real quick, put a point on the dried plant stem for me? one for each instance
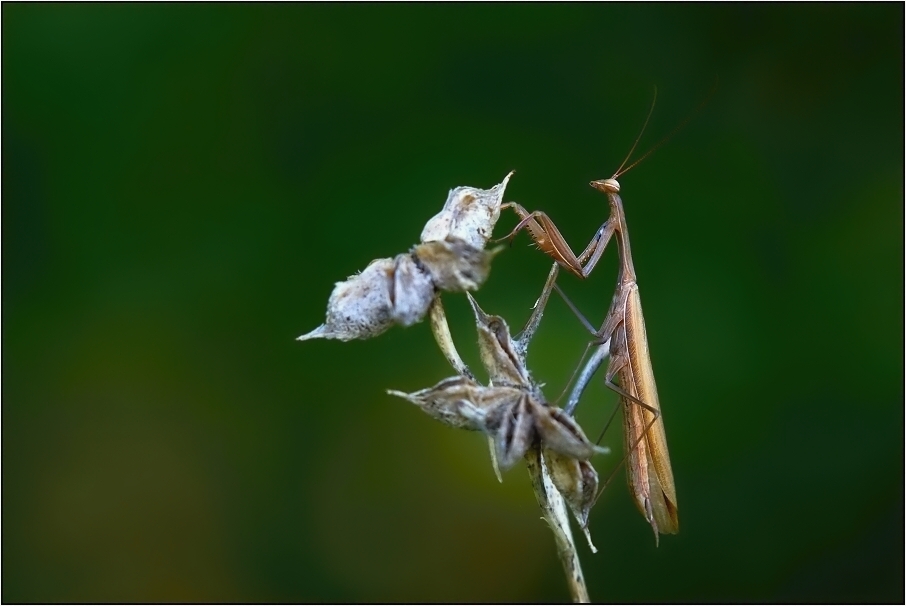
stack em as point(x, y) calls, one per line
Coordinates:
point(554, 510)
point(441, 331)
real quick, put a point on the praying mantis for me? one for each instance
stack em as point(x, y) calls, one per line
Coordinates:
point(622, 336)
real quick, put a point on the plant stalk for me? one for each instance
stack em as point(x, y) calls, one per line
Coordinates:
point(554, 510)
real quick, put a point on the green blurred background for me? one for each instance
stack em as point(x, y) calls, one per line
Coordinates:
point(183, 184)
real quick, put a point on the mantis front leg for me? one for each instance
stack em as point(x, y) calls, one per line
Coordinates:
point(549, 239)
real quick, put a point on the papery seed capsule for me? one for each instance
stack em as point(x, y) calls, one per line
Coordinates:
point(461, 402)
point(469, 214)
point(513, 427)
point(576, 480)
point(359, 307)
point(453, 264)
point(561, 433)
point(498, 353)
point(412, 291)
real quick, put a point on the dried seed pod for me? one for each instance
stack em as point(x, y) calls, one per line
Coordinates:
point(400, 290)
point(506, 366)
point(469, 214)
point(498, 352)
point(512, 424)
point(561, 433)
point(451, 257)
point(360, 307)
point(460, 402)
point(577, 483)
point(515, 422)
point(412, 293)
point(453, 264)
point(576, 480)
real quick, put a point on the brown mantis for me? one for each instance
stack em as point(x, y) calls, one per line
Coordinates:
point(622, 336)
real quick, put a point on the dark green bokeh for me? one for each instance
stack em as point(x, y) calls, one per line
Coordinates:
point(183, 184)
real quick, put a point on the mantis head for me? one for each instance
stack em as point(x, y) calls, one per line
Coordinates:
point(608, 186)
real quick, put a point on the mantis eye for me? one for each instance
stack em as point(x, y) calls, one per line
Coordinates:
point(608, 186)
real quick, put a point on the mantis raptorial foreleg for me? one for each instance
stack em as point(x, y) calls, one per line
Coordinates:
point(549, 239)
